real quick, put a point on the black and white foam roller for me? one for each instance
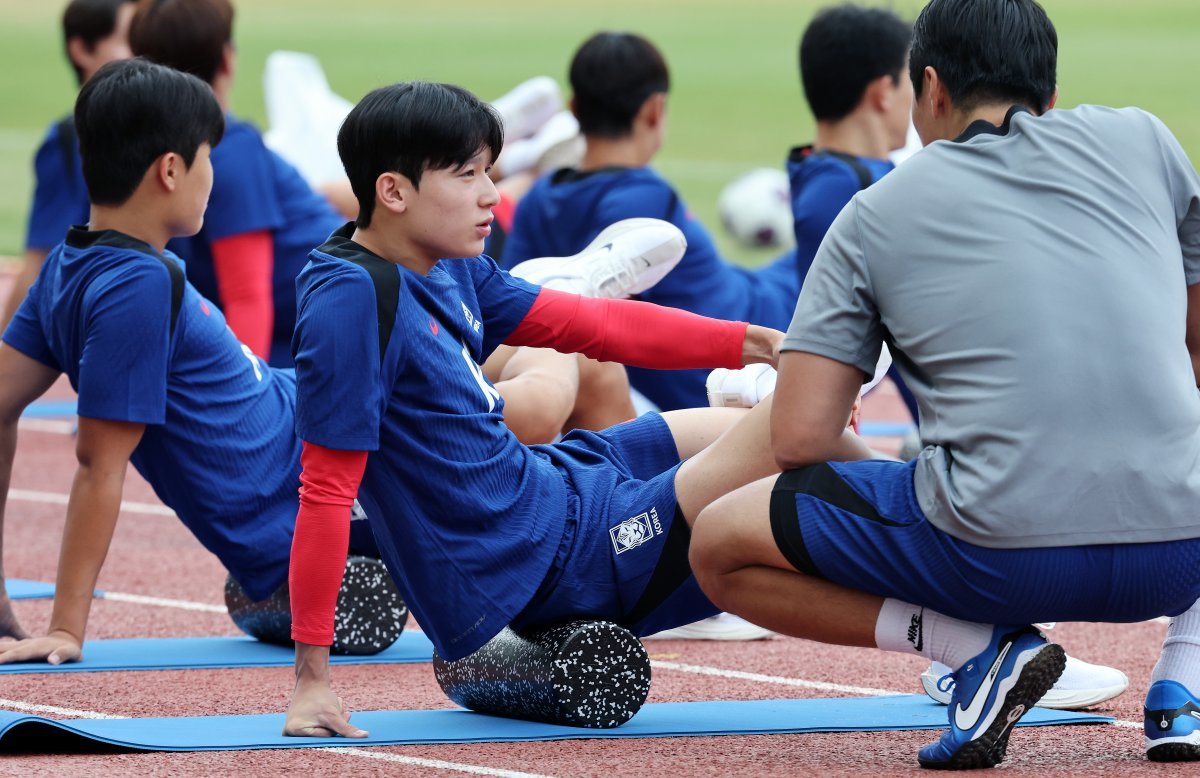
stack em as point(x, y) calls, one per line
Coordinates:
point(370, 614)
point(581, 673)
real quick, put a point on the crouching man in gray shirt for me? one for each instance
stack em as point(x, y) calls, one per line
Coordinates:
point(1037, 276)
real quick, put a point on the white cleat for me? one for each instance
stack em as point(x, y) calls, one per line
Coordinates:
point(528, 106)
point(723, 626)
point(1081, 685)
point(557, 144)
point(742, 388)
point(627, 258)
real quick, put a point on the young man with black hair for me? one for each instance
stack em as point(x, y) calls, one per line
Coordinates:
point(479, 531)
point(95, 32)
point(853, 66)
point(620, 83)
point(204, 420)
point(1021, 509)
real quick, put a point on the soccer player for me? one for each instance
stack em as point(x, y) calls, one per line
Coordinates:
point(95, 32)
point(205, 421)
point(620, 83)
point(262, 218)
point(852, 65)
point(479, 531)
point(1059, 483)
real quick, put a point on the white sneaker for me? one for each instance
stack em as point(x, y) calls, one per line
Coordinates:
point(723, 626)
point(1081, 685)
point(556, 144)
point(626, 258)
point(528, 106)
point(742, 388)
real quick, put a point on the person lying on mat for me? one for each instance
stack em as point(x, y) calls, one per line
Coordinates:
point(1057, 482)
point(163, 382)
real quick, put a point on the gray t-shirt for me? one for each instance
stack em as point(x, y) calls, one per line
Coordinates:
point(1033, 284)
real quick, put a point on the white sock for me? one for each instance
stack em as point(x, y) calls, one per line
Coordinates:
point(1180, 657)
point(911, 629)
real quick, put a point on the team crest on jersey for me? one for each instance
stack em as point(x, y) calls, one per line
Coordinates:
point(472, 322)
point(632, 533)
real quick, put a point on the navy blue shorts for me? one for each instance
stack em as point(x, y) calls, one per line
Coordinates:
point(858, 524)
point(624, 553)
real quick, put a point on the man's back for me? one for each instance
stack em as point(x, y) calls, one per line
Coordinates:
point(1035, 282)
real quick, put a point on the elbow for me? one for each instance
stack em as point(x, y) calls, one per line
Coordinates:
point(798, 448)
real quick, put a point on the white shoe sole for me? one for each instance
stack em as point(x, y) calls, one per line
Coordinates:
point(723, 626)
point(1081, 694)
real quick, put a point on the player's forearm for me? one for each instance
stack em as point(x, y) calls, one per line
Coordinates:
point(92, 511)
point(244, 266)
point(312, 663)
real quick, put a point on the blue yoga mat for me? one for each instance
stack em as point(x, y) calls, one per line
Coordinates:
point(668, 719)
point(50, 409)
point(21, 589)
point(206, 653)
point(884, 429)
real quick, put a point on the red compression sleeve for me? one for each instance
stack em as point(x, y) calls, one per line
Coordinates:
point(504, 211)
point(632, 333)
point(329, 482)
point(244, 266)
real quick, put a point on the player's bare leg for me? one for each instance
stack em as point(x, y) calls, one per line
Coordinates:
point(539, 387)
point(603, 398)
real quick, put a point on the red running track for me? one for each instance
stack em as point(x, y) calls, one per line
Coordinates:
point(154, 555)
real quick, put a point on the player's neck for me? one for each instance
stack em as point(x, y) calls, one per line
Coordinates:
point(628, 151)
point(134, 219)
point(394, 246)
point(855, 136)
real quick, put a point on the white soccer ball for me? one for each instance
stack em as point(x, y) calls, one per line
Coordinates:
point(756, 209)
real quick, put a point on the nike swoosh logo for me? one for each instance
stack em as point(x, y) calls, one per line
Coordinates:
point(966, 718)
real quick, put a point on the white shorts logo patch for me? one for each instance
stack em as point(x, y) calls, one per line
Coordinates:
point(632, 533)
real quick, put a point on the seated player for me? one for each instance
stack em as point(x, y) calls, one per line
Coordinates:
point(852, 65)
point(1022, 508)
point(201, 418)
point(620, 83)
point(479, 531)
point(95, 32)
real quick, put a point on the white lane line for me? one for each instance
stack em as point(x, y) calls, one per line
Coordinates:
point(436, 764)
point(46, 425)
point(759, 678)
point(54, 498)
point(163, 602)
point(35, 708)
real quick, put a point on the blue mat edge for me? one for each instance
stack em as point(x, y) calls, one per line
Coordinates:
point(1040, 717)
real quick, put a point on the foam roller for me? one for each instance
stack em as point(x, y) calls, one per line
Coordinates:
point(581, 673)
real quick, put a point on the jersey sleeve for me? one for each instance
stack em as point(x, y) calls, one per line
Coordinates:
point(836, 316)
point(814, 207)
point(243, 196)
point(504, 301)
point(339, 396)
point(1185, 196)
point(125, 357)
point(59, 197)
point(25, 333)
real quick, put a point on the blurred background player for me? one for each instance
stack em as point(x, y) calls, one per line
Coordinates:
point(620, 83)
point(95, 32)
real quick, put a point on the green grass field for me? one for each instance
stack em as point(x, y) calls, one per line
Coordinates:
point(735, 101)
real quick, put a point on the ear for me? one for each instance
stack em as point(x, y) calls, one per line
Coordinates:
point(1053, 99)
point(79, 52)
point(654, 110)
point(934, 90)
point(393, 192)
point(168, 170)
point(571, 107)
point(228, 60)
point(879, 94)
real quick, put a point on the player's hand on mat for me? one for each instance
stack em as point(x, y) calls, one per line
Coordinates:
point(316, 711)
point(761, 345)
point(10, 627)
point(55, 648)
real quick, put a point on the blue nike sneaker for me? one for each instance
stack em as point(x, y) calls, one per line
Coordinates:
point(1172, 723)
point(991, 693)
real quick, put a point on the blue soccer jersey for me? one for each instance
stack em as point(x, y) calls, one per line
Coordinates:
point(254, 189)
point(60, 196)
point(219, 446)
point(822, 182)
point(564, 211)
point(467, 519)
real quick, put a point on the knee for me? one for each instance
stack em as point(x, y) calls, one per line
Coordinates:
point(710, 553)
point(603, 381)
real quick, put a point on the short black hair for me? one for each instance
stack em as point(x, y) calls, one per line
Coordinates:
point(844, 49)
point(188, 35)
point(91, 21)
point(409, 128)
point(612, 75)
point(131, 113)
point(987, 51)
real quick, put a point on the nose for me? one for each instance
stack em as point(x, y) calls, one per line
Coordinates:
point(490, 195)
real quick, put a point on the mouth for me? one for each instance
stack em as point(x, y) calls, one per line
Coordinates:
point(484, 228)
